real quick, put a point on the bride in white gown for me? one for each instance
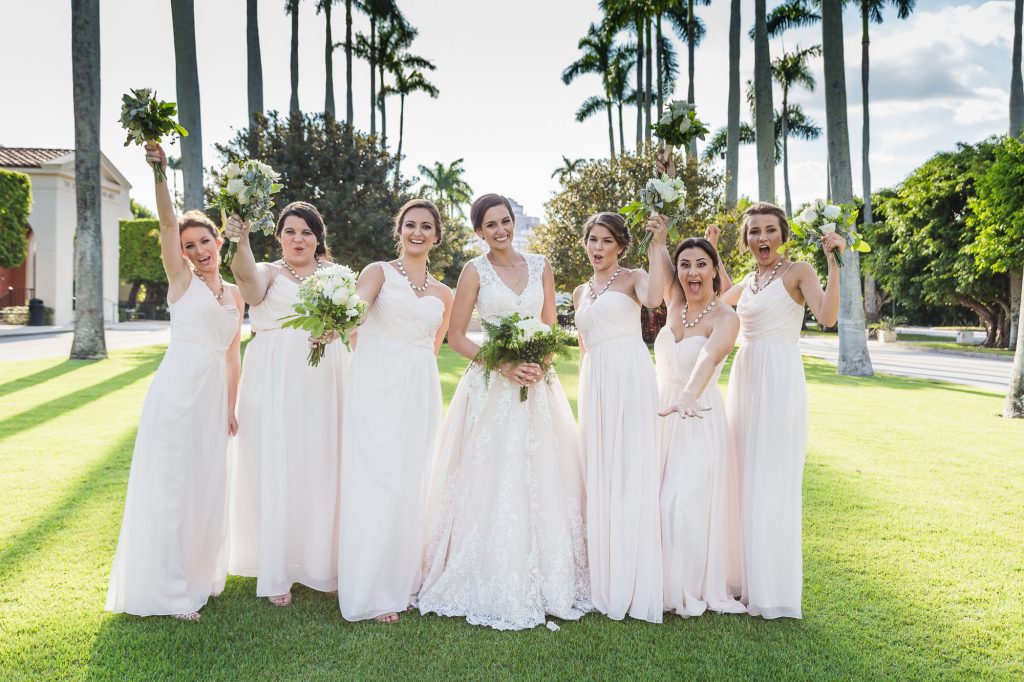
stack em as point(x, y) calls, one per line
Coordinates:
point(506, 543)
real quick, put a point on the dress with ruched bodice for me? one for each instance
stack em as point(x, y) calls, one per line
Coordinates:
point(392, 411)
point(618, 439)
point(506, 544)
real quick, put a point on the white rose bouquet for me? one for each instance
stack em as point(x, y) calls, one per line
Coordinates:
point(678, 126)
point(820, 218)
point(147, 119)
point(247, 189)
point(662, 195)
point(517, 339)
point(327, 302)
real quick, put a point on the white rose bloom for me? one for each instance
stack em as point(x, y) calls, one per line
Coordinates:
point(807, 216)
point(339, 298)
point(818, 204)
point(831, 212)
point(828, 228)
point(232, 170)
point(666, 118)
point(235, 186)
point(668, 192)
point(684, 125)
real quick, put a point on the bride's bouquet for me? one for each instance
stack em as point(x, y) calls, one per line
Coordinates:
point(327, 302)
point(821, 218)
point(662, 195)
point(517, 339)
point(679, 126)
point(248, 189)
point(147, 119)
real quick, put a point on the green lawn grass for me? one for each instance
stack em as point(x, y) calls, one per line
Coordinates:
point(914, 568)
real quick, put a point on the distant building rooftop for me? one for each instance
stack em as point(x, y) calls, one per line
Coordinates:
point(29, 157)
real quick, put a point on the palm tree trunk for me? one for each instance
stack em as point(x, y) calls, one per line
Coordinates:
point(639, 82)
point(611, 126)
point(647, 86)
point(691, 149)
point(622, 137)
point(89, 342)
point(383, 110)
point(349, 112)
point(401, 133)
point(785, 150)
point(853, 351)
point(329, 62)
point(1015, 391)
point(187, 85)
point(764, 123)
point(253, 59)
point(293, 104)
point(870, 300)
point(660, 56)
point(732, 145)
point(373, 75)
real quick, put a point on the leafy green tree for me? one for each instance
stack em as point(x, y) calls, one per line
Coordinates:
point(140, 211)
point(139, 262)
point(922, 240)
point(606, 185)
point(15, 205)
point(445, 186)
point(338, 170)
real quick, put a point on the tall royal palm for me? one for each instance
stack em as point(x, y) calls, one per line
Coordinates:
point(690, 30)
point(597, 47)
point(871, 11)
point(853, 352)
point(187, 85)
point(394, 36)
point(254, 62)
point(790, 70)
point(631, 15)
point(445, 186)
point(1015, 391)
point(366, 46)
point(621, 63)
point(291, 7)
point(89, 342)
point(764, 122)
point(325, 7)
point(349, 111)
point(732, 149)
point(407, 71)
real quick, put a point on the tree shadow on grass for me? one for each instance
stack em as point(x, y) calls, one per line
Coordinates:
point(25, 544)
point(40, 414)
point(43, 376)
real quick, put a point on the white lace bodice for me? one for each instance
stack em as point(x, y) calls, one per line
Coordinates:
point(496, 300)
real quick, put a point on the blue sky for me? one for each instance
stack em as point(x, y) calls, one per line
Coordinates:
point(940, 77)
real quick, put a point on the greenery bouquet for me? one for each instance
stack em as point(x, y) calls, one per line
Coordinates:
point(517, 339)
point(679, 126)
point(662, 195)
point(248, 189)
point(147, 119)
point(327, 302)
point(821, 218)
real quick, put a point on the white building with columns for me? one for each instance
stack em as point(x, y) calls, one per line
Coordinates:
point(49, 269)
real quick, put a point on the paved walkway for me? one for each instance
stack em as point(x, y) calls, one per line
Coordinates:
point(982, 371)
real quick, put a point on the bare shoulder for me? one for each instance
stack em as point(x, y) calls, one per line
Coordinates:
point(801, 269)
point(577, 295)
point(235, 293)
point(727, 313)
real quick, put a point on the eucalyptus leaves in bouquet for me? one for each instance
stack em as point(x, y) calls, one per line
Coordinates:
point(820, 218)
point(679, 126)
point(147, 119)
point(516, 339)
point(662, 195)
point(248, 189)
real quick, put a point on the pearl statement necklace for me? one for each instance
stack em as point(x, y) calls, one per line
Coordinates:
point(220, 296)
point(426, 278)
point(590, 284)
point(704, 312)
point(301, 278)
point(754, 288)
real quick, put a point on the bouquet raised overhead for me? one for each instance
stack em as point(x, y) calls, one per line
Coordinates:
point(516, 339)
point(678, 126)
point(662, 195)
point(147, 119)
point(820, 218)
point(327, 302)
point(248, 189)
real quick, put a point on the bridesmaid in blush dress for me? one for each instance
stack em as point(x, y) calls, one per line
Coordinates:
point(171, 552)
point(392, 411)
point(284, 474)
point(768, 406)
point(698, 494)
point(618, 407)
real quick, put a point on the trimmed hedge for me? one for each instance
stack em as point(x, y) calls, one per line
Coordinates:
point(140, 251)
point(15, 205)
